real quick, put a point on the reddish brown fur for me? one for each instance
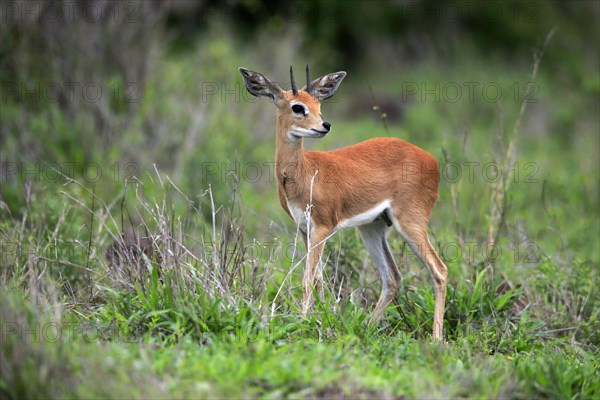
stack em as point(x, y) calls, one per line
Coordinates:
point(353, 179)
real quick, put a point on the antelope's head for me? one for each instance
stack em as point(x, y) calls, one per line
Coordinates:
point(299, 111)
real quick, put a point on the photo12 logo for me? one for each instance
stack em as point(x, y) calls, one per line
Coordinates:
point(69, 11)
point(68, 92)
point(54, 172)
point(471, 91)
point(64, 332)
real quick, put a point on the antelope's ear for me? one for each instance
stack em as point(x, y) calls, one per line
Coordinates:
point(258, 85)
point(324, 87)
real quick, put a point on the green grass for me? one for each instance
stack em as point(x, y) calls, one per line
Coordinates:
point(239, 354)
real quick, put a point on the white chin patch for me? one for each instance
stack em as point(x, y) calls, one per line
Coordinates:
point(297, 132)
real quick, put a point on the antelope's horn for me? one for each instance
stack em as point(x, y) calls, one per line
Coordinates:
point(294, 87)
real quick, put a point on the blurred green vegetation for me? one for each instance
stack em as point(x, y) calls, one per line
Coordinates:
point(138, 120)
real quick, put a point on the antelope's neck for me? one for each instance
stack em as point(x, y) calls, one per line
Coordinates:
point(289, 154)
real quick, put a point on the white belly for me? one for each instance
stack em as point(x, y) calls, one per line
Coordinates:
point(366, 217)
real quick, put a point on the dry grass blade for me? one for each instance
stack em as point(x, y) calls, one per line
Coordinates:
point(501, 187)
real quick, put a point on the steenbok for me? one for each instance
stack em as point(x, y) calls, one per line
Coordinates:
point(372, 185)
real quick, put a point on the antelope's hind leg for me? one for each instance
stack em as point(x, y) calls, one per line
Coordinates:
point(415, 234)
point(374, 236)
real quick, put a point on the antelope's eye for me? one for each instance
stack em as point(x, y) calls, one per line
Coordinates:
point(298, 109)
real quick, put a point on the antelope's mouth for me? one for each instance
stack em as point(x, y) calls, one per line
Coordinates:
point(320, 133)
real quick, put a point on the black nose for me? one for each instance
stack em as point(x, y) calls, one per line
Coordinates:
point(326, 125)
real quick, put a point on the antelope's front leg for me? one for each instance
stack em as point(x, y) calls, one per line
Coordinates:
point(313, 273)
